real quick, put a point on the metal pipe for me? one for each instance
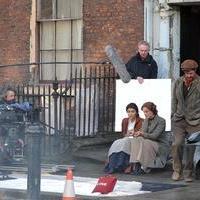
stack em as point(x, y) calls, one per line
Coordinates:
point(34, 132)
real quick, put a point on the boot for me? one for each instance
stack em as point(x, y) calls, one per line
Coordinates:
point(138, 170)
point(197, 171)
point(188, 175)
point(176, 176)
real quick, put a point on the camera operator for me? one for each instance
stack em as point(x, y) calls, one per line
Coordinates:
point(12, 117)
point(9, 97)
point(9, 101)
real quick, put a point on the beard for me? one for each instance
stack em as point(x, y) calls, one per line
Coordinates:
point(188, 81)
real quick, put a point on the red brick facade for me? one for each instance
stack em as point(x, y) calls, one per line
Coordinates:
point(14, 39)
point(116, 22)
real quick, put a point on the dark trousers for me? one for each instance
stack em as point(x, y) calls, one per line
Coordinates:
point(181, 129)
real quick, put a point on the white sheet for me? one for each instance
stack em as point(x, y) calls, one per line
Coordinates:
point(83, 186)
point(157, 91)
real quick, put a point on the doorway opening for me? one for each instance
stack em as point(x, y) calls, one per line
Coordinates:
point(190, 34)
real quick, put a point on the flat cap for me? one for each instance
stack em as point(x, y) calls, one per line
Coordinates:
point(189, 64)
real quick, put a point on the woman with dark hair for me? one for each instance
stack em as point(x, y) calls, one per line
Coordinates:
point(119, 152)
point(147, 142)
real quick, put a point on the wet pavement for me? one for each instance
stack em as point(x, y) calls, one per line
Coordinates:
point(91, 163)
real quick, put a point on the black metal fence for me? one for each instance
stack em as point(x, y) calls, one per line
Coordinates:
point(82, 106)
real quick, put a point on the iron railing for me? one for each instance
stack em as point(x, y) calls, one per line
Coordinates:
point(83, 106)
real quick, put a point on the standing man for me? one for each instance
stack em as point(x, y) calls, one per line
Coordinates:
point(142, 65)
point(185, 118)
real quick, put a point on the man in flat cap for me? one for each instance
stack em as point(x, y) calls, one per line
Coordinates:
point(185, 118)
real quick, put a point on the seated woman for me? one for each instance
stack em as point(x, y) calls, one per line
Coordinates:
point(147, 142)
point(119, 152)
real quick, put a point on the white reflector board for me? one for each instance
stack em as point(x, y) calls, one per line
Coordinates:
point(157, 91)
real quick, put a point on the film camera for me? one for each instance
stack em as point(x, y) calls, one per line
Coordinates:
point(12, 134)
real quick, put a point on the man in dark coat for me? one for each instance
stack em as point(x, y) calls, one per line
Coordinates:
point(9, 101)
point(142, 65)
point(185, 118)
point(9, 97)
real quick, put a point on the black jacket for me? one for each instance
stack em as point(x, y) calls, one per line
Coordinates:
point(146, 69)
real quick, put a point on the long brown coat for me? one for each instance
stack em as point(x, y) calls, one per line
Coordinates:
point(187, 108)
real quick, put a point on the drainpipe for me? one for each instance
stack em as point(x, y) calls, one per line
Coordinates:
point(152, 28)
point(164, 48)
point(148, 23)
point(34, 69)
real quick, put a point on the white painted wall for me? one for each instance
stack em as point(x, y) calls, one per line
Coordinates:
point(162, 31)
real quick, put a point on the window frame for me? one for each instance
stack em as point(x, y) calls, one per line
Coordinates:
point(56, 50)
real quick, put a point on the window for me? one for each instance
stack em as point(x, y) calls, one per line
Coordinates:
point(60, 37)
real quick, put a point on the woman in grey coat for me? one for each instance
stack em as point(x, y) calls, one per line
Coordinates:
point(147, 143)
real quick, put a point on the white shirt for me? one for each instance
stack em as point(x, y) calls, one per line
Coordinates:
point(131, 125)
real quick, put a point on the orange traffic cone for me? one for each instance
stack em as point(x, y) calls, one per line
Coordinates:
point(69, 193)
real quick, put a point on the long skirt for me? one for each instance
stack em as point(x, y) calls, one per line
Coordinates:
point(118, 156)
point(122, 144)
point(143, 151)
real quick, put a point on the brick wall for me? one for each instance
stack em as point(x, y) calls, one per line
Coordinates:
point(116, 22)
point(14, 39)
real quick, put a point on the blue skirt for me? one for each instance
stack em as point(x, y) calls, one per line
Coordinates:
point(118, 162)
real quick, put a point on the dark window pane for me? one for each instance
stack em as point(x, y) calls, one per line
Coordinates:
point(46, 9)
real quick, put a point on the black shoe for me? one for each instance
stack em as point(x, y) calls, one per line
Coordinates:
point(138, 170)
point(197, 171)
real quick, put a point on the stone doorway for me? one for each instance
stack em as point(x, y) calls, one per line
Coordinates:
point(189, 33)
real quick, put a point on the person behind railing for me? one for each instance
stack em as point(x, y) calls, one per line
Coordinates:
point(142, 65)
point(119, 152)
point(148, 142)
point(11, 113)
point(9, 102)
